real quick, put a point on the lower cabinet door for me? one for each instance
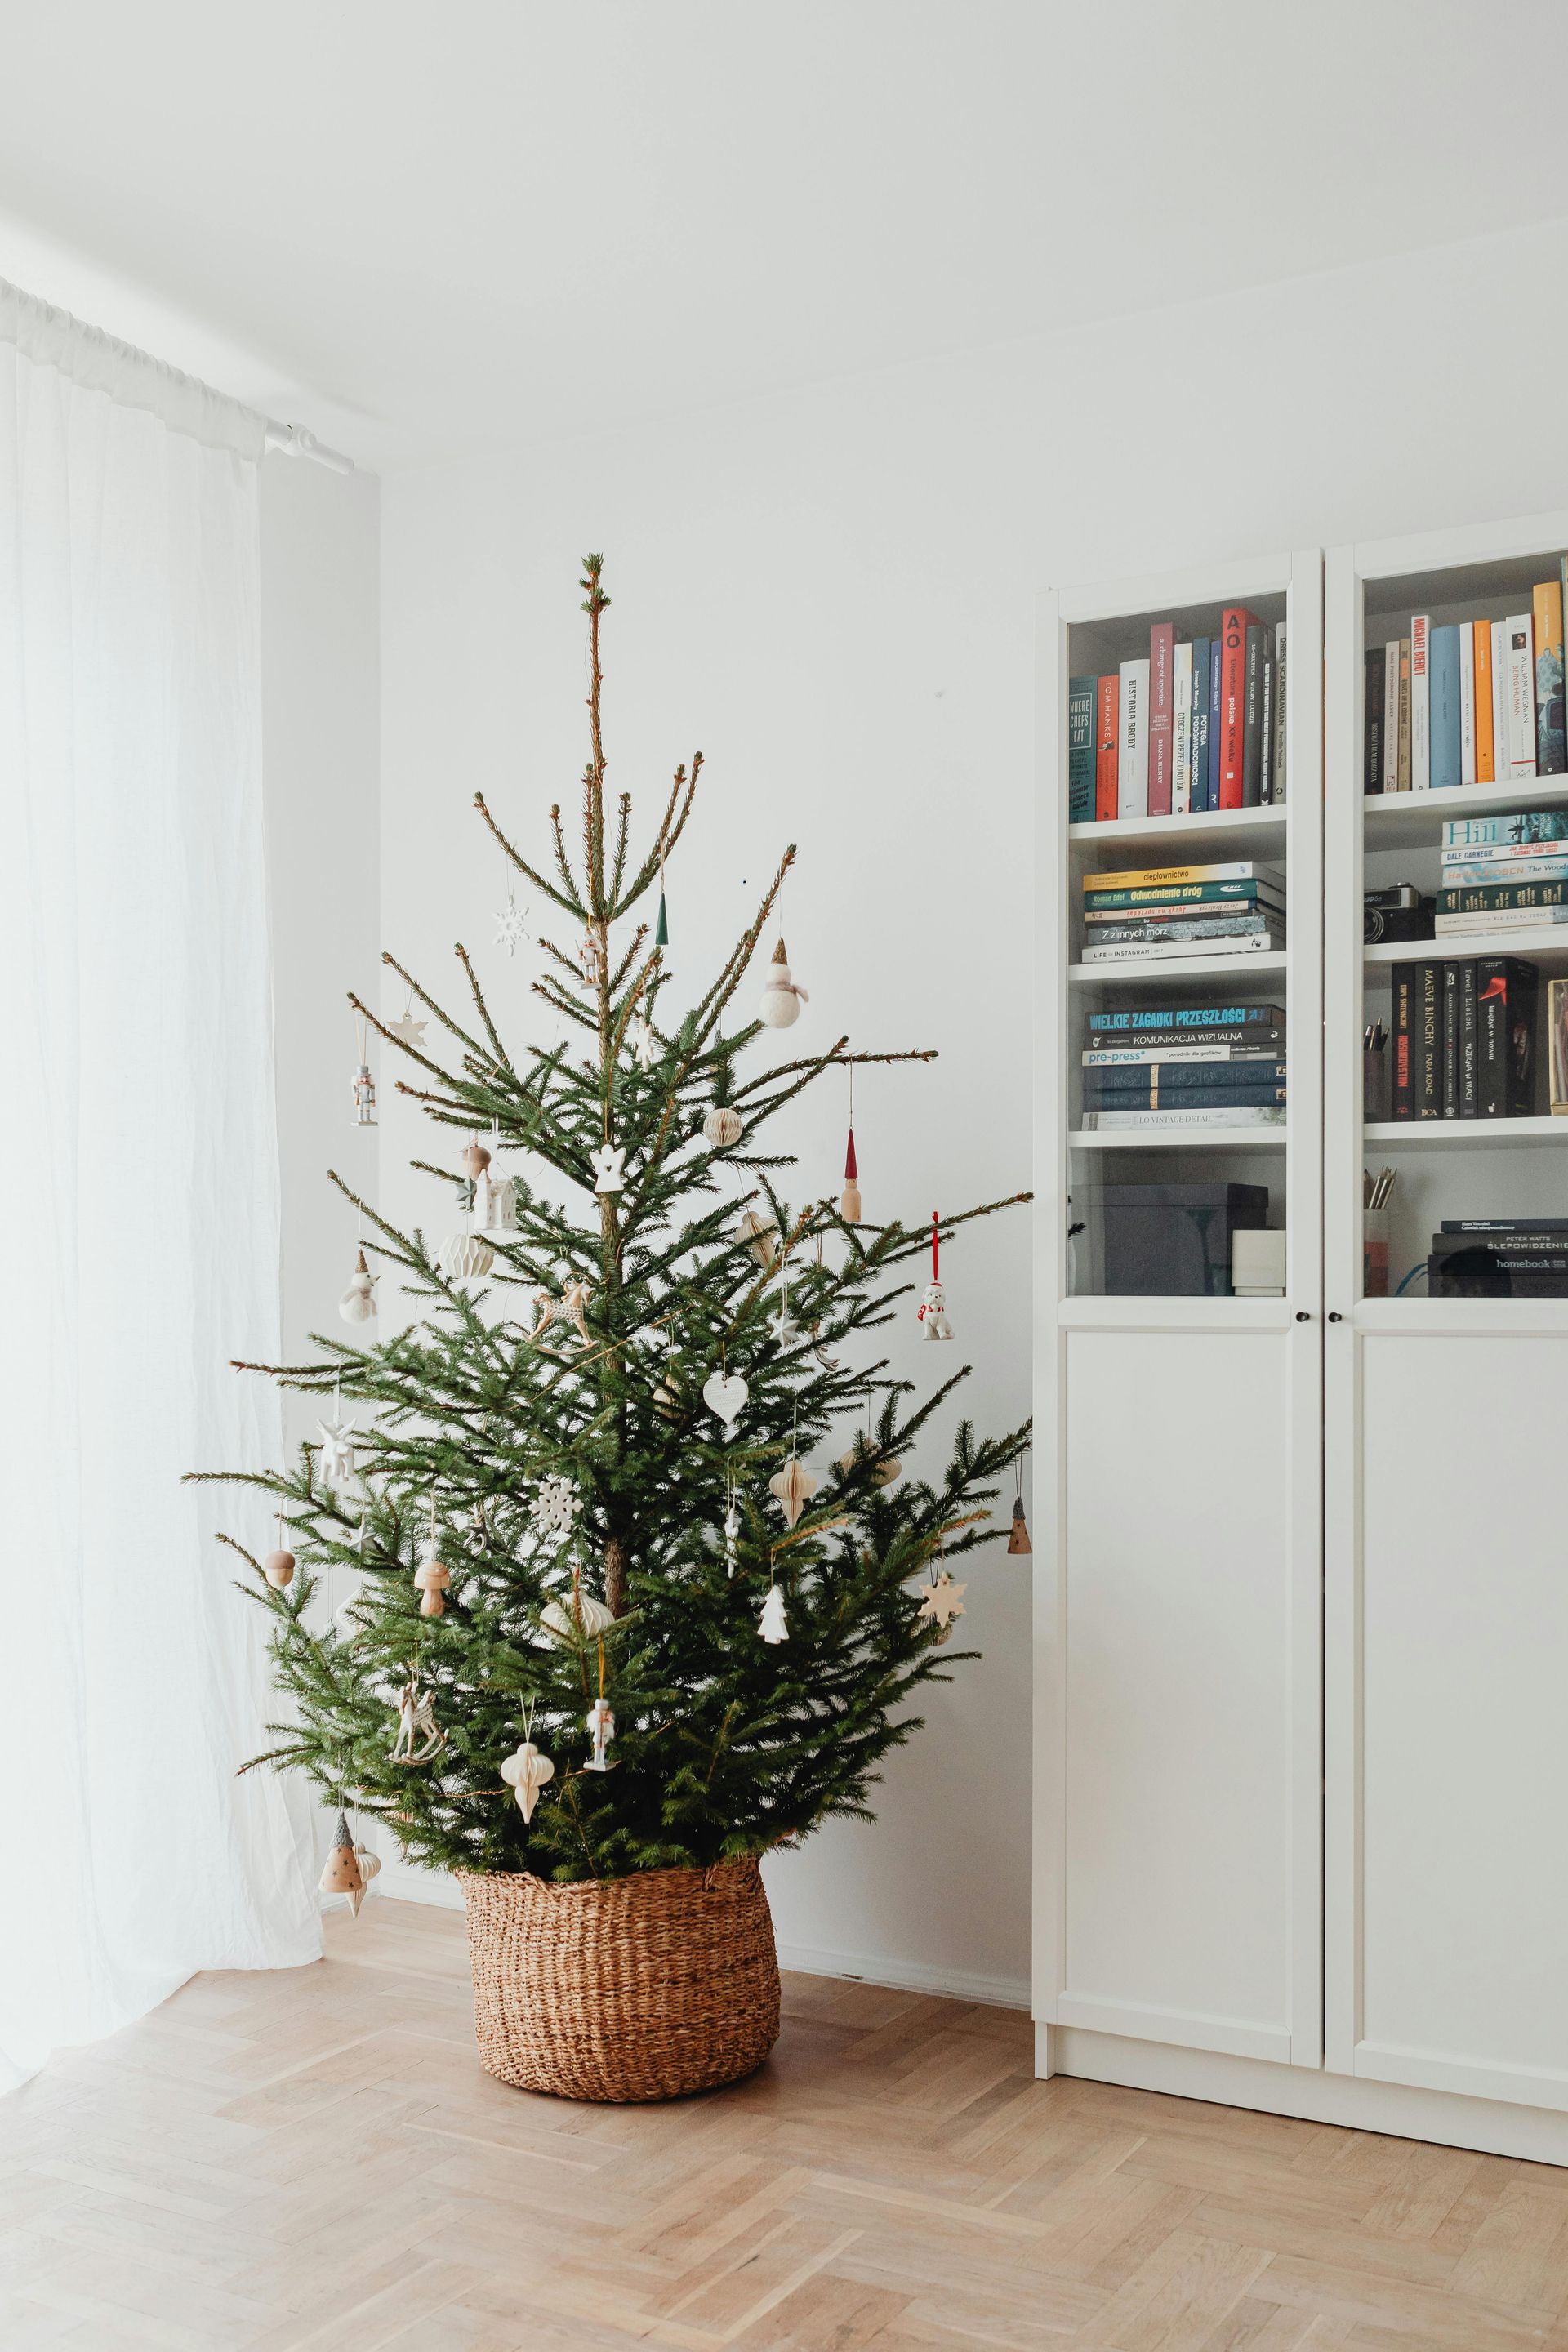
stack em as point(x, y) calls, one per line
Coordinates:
point(1447, 1699)
point(1185, 1708)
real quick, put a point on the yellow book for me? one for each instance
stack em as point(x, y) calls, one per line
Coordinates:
point(1162, 877)
point(1486, 761)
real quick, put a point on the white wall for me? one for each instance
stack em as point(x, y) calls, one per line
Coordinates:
point(832, 594)
point(320, 727)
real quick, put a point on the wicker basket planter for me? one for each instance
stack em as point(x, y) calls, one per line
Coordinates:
point(622, 1989)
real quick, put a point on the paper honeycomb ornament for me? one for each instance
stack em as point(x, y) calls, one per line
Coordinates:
point(722, 1126)
point(794, 1486)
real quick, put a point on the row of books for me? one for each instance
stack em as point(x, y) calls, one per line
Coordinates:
point(1158, 913)
point(1499, 1257)
point(1164, 1065)
point(1499, 885)
point(1463, 1038)
point(1471, 702)
point(1197, 724)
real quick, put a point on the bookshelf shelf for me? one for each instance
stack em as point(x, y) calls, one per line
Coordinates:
point(1244, 833)
point(1415, 820)
point(1173, 1139)
point(1237, 970)
point(1479, 1134)
point(1547, 947)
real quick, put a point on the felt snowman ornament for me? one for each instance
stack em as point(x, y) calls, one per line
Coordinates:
point(782, 999)
point(357, 1304)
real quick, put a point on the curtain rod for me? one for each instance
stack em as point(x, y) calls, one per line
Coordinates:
point(298, 441)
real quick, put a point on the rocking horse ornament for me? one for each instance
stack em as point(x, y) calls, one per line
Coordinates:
point(568, 1308)
point(932, 1315)
point(419, 1736)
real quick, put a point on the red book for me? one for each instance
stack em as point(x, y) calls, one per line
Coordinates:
point(1233, 702)
point(1105, 747)
point(1161, 662)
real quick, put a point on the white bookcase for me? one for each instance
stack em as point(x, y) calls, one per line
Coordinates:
point(1178, 1559)
point(1301, 1568)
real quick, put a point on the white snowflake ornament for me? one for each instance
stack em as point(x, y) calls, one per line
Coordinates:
point(555, 1508)
point(645, 1047)
point(512, 926)
point(407, 1030)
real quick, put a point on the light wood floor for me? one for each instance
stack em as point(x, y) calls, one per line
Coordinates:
point(314, 2159)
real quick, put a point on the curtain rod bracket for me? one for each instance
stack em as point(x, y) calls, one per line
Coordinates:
point(298, 441)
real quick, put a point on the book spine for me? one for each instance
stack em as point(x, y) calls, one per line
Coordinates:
point(1107, 749)
point(1469, 1098)
point(1203, 656)
point(1202, 1079)
point(1182, 894)
point(1081, 694)
point(1528, 1226)
point(1403, 738)
point(1162, 657)
point(1181, 732)
point(1505, 995)
point(1216, 671)
point(1252, 720)
point(1372, 722)
point(1390, 715)
point(1546, 613)
point(1165, 951)
point(1143, 877)
point(1482, 897)
point(1502, 919)
point(1133, 1019)
point(1443, 708)
point(1426, 1059)
point(1119, 1058)
point(1132, 766)
point(1525, 832)
point(1282, 735)
point(1481, 636)
point(1249, 1115)
point(1525, 864)
point(1519, 628)
point(1449, 1087)
point(1215, 925)
point(1420, 702)
point(1500, 702)
point(1265, 787)
point(1232, 706)
point(1467, 636)
point(1406, 979)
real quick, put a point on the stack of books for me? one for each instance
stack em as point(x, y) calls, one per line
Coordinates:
point(1463, 1038)
point(1166, 1065)
point(1504, 873)
point(1196, 724)
point(1474, 702)
point(1156, 913)
point(1499, 1257)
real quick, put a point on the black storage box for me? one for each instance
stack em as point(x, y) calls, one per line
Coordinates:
point(1173, 1241)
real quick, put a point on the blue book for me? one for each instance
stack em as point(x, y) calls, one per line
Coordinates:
point(1203, 651)
point(1082, 696)
point(1443, 720)
point(1211, 799)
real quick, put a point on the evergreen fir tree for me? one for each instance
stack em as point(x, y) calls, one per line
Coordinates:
point(724, 1743)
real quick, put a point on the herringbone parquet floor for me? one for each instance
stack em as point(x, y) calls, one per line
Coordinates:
point(314, 2159)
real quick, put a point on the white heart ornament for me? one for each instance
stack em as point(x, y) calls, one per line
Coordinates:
point(726, 1397)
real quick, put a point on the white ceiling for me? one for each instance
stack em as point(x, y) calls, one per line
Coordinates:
point(425, 231)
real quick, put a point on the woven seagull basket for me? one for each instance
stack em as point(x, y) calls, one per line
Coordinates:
point(622, 1989)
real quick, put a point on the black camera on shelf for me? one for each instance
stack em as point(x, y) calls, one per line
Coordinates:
point(1398, 912)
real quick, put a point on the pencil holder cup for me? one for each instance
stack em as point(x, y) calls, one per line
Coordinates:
point(1374, 1254)
point(1374, 1085)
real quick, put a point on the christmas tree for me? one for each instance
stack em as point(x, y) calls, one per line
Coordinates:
point(606, 1618)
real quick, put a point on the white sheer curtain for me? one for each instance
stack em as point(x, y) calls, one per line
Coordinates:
point(139, 1196)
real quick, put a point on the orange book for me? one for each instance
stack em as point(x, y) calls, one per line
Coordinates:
point(1106, 740)
point(1486, 757)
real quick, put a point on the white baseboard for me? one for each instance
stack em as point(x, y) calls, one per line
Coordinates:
point(405, 1882)
point(1311, 2092)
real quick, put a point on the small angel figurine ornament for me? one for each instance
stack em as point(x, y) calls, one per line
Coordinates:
point(782, 999)
point(601, 1724)
point(526, 1772)
point(357, 1304)
point(418, 1734)
point(932, 1315)
point(609, 1165)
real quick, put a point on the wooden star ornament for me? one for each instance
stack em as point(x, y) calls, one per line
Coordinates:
point(942, 1601)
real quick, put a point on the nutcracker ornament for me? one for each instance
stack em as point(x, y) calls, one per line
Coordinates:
point(600, 1725)
point(932, 1315)
point(362, 1085)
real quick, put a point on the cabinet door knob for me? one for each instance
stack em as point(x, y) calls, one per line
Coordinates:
point(1336, 1318)
point(1303, 1316)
